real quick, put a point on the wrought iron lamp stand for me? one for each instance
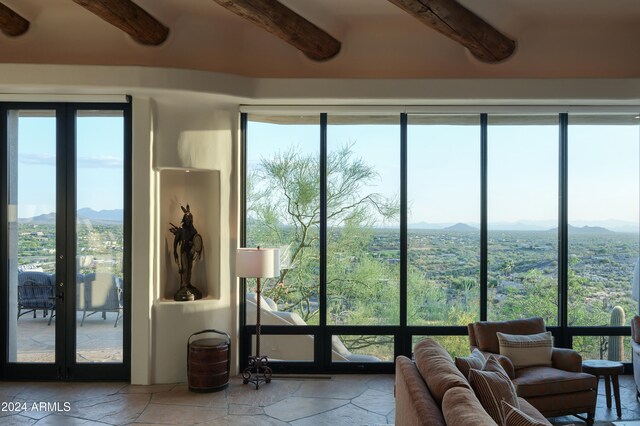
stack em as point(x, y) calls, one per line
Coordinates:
point(257, 371)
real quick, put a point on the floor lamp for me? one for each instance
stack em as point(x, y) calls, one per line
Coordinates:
point(257, 263)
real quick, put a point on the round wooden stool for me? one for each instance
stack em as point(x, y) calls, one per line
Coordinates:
point(609, 370)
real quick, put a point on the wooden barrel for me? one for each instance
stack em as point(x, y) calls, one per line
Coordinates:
point(208, 362)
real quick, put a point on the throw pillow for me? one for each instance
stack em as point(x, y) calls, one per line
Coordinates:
point(475, 360)
point(526, 350)
point(514, 417)
point(492, 386)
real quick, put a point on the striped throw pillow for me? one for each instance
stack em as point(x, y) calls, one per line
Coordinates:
point(526, 350)
point(492, 386)
point(465, 363)
point(514, 417)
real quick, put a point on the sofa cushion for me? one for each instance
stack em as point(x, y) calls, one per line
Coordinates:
point(465, 363)
point(485, 331)
point(515, 417)
point(460, 406)
point(437, 368)
point(491, 386)
point(539, 380)
point(526, 350)
point(414, 403)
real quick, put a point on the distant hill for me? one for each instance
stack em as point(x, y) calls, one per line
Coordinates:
point(115, 215)
point(586, 230)
point(48, 218)
point(589, 230)
point(102, 216)
point(460, 227)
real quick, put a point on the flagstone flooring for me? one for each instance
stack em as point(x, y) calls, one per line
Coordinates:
point(287, 400)
point(338, 400)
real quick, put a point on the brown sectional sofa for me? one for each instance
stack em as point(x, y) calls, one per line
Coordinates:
point(432, 391)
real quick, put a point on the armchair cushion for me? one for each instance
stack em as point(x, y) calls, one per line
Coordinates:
point(487, 339)
point(538, 380)
point(526, 350)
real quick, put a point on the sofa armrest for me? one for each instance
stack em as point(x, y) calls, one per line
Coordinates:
point(566, 359)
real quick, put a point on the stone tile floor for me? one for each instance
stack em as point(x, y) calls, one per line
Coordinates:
point(604, 416)
point(338, 400)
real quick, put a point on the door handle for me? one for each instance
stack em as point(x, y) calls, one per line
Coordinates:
point(60, 294)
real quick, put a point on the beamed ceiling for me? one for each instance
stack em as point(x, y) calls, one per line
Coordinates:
point(332, 38)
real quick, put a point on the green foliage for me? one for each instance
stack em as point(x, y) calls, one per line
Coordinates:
point(283, 210)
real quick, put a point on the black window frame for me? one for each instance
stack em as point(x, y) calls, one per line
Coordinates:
point(403, 333)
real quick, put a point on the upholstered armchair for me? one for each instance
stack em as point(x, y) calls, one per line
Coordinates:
point(556, 390)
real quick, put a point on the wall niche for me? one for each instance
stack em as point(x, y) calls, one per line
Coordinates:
point(200, 189)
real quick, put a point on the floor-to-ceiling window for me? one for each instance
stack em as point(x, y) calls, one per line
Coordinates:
point(423, 223)
point(603, 210)
point(443, 223)
point(363, 230)
point(522, 223)
point(283, 211)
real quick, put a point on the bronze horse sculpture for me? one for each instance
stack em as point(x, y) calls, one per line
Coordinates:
point(187, 247)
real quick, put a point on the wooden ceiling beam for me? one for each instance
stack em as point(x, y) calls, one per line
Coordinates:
point(283, 22)
point(130, 18)
point(460, 24)
point(11, 23)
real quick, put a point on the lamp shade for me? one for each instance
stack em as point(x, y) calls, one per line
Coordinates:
point(257, 262)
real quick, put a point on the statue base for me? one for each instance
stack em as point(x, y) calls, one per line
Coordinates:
point(187, 294)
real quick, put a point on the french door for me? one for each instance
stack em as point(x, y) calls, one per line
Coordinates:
point(65, 290)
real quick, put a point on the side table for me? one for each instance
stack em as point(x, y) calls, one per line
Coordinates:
point(609, 370)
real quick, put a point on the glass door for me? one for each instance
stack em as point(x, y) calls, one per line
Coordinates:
point(63, 306)
point(34, 296)
point(99, 236)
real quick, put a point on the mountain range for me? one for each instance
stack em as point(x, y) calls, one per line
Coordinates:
point(102, 216)
point(596, 227)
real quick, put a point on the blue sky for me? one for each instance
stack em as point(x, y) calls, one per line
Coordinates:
point(444, 168)
point(99, 160)
point(604, 167)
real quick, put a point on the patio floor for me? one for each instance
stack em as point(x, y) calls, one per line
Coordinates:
point(97, 340)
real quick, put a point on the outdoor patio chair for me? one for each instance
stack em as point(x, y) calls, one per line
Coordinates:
point(102, 293)
point(294, 347)
point(36, 290)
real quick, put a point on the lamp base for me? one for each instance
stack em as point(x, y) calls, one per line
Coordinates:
point(257, 372)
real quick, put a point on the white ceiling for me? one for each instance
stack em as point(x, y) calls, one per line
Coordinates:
point(555, 39)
